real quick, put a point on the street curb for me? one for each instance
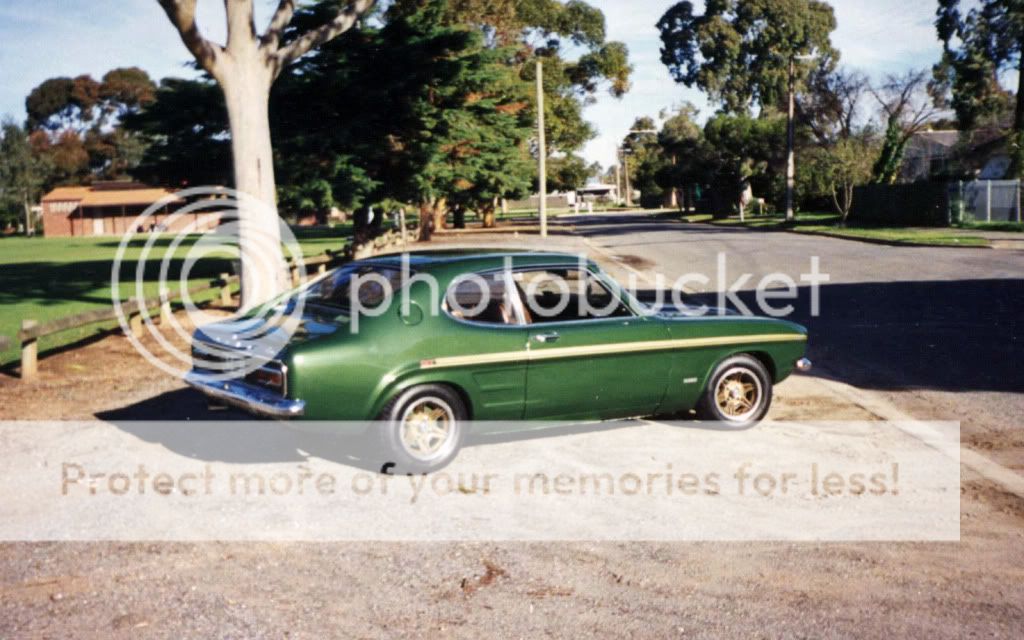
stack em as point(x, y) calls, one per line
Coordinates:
point(987, 468)
point(825, 234)
point(889, 243)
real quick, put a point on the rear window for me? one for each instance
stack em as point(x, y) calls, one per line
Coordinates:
point(372, 285)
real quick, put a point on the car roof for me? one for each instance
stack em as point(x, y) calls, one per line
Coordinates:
point(477, 259)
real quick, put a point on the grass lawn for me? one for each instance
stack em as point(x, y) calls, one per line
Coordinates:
point(828, 224)
point(48, 278)
point(993, 226)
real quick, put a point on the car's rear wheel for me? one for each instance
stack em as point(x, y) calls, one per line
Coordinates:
point(739, 392)
point(422, 429)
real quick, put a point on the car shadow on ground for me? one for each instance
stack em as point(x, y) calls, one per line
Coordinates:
point(181, 422)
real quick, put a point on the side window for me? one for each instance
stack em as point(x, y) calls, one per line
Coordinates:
point(564, 295)
point(481, 298)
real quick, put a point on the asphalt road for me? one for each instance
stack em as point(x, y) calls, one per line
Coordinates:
point(938, 330)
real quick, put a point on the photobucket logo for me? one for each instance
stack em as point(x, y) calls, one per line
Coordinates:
point(774, 293)
point(187, 234)
point(535, 295)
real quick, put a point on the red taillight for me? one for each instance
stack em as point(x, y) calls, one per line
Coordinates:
point(268, 378)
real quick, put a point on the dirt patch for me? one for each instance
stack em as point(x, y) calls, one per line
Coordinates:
point(491, 573)
point(969, 588)
point(102, 376)
point(995, 497)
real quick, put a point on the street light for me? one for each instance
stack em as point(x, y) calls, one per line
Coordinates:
point(791, 133)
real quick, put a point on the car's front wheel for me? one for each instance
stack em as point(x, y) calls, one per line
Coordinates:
point(422, 429)
point(739, 392)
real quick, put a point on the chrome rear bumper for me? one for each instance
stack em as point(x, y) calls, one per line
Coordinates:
point(246, 396)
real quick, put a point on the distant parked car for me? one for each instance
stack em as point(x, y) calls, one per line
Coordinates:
point(511, 352)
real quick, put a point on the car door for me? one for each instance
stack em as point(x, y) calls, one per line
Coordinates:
point(589, 355)
point(484, 349)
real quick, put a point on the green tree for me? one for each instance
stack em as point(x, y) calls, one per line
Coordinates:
point(22, 175)
point(567, 173)
point(680, 140)
point(833, 172)
point(185, 133)
point(739, 51)
point(421, 111)
point(978, 46)
point(550, 30)
point(646, 161)
point(739, 151)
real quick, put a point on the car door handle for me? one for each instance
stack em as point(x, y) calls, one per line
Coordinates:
point(547, 337)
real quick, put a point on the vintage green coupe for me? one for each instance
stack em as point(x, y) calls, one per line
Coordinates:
point(504, 340)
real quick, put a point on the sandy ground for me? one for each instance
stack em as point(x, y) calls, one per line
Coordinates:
point(971, 588)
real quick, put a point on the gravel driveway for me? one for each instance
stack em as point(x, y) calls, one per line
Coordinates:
point(974, 587)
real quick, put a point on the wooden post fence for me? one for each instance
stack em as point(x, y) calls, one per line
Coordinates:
point(29, 352)
point(165, 306)
point(225, 290)
point(31, 330)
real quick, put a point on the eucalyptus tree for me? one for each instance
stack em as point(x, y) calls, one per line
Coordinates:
point(980, 45)
point(749, 52)
point(245, 67)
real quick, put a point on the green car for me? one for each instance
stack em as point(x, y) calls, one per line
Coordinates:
point(504, 340)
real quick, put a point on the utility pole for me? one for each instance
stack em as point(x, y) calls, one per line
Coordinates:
point(542, 152)
point(791, 134)
point(625, 169)
point(618, 180)
point(790, 141)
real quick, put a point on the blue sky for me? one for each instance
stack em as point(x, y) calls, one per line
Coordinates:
point(40, 39)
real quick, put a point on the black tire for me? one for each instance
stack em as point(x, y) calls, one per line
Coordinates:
point(737, 373)
point(398, 454)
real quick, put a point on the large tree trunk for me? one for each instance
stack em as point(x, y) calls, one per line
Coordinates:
point(440, 214)
point(487, 213)
point(426, 221)
point(245, 68)
point(247, 94)
point(30, 229)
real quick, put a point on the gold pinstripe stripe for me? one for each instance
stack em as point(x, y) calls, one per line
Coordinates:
point(604, 349)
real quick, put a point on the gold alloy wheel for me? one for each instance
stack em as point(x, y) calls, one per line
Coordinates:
point(738, 395)
point(428, 429)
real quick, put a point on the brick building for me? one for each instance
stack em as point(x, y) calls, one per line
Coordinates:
point(111, 208)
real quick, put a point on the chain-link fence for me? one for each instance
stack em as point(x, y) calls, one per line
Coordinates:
point(985, 201)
